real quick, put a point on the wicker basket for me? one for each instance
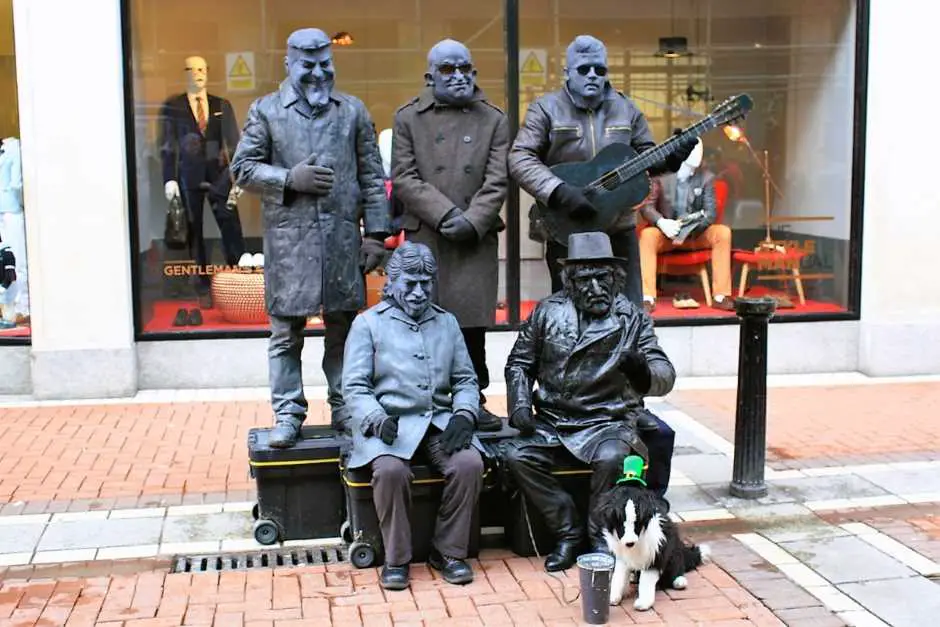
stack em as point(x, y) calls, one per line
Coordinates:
point(240, 297)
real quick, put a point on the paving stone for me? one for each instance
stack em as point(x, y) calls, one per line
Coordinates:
point(203, 527)
point(689, 498)
point(828, 488)
point(20, 538)
point(81, 534)
point(705, 468)
point(720, 492)
point(898, 602)
point(905, 481)
point(846, 559)
point(777, 513)
point(805, 529)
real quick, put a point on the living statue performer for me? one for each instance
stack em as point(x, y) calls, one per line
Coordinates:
point(594, 356)
point(574, 124)
point(409, 384)
point(449, 168)
point(310, 151)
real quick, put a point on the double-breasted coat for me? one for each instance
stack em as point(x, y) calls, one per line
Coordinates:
point(311, 243)
point(583, 397)
point(418, 370)
point(445, 157)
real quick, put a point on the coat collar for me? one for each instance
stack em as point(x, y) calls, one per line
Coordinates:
point(427, 100)
point(289, 98)
point(429, 314)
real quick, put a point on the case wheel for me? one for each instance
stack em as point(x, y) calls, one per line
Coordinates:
point(255, 512)
point(361, 555)
point(265, 532)
point(345, 531)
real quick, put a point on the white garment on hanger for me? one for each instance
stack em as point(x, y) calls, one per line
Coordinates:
point(11, 177)
point(13, 224)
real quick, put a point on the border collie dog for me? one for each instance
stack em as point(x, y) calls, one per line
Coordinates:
point(642, 538)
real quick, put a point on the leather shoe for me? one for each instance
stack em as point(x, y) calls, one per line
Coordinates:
point(488, 421)
point(454, 571)
point(394, 577)
point(563, 557)
point(181, 319)
point(283, 435)
point(195, 317)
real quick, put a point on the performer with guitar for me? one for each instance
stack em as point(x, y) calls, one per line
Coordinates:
point(574, 124)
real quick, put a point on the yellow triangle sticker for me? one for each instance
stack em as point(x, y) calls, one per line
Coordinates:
point(240, 69)
point(532, 65)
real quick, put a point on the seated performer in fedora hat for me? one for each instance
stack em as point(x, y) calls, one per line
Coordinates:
point(594, 356)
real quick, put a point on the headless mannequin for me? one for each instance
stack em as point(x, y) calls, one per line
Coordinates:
point(670, 228)
point(15, 298)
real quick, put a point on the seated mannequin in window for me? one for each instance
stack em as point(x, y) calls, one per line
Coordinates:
point(198, 136)
point(686, 197)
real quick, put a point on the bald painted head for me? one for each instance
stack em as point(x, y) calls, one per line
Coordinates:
point(450, 72)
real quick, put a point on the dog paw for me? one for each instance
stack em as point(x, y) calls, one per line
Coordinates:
point(642, 604)
point(680, 582)
point(615, 599)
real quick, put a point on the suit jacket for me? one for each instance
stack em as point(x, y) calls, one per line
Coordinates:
point(191, 157)
point(418, 370)
point(701, 197)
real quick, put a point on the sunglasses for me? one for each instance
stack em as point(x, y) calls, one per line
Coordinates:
point(448, 69)
point(600, 70)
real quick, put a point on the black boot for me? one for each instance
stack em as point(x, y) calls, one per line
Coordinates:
point(488, 421)
point(394, 577)
point(563, 557)
point(285, 432)
point(454, 570)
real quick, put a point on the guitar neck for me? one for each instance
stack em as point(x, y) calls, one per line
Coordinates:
point(651, 157)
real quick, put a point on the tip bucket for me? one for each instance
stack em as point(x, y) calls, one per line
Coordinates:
point(596, 570)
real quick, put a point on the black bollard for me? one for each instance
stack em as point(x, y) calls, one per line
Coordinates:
point(750, 422)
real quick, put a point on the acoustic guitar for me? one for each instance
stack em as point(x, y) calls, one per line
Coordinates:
point(615, 180)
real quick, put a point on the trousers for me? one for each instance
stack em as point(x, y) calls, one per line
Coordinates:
point(475, 339)
point(717, 237)
point(230, 226)
point(624, 244)
point(284, 364)
point(531, 468)
point(391, 492)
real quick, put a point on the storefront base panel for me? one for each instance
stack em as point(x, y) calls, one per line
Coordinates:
point(97, 373)
point(14, 370)
point(899, 348)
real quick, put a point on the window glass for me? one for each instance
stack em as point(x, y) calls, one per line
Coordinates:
point(782, 191)
point(14, 282)
point(211, 277)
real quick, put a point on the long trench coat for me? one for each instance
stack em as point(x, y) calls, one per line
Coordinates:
point(418, 370)
point(583, 398)
point(311, 243)
point(445, 157)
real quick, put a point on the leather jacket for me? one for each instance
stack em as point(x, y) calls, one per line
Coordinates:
point(556, 130)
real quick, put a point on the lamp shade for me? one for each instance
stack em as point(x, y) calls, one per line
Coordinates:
point(673, 47)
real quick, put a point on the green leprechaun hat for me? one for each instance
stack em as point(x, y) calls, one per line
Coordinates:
point(633, 469)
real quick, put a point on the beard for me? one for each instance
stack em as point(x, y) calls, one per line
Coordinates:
point(317, 93)
point(592, 304)
point(414, 309)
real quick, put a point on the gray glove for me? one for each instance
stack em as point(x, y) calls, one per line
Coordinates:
point(381, 426)
point(523, 420)
point(457, 228)
point(310, 179)
point(371, 254)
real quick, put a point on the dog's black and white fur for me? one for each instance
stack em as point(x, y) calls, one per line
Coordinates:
point(642, 538)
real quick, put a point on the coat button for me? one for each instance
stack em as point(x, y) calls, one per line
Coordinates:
point(467, 199)
point(423, 386)
point(466, 109)
point(439, 168)
point(466, 139)
point(414, 327)
point(467, 169)
point(419, 356)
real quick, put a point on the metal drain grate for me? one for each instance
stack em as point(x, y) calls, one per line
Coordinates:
point(275, 558)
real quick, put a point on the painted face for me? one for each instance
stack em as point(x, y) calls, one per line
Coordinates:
point(451, 72)
point(587, 74)
point(197, 73)
point(312, 74)
point(412, 292)
point(593, 289)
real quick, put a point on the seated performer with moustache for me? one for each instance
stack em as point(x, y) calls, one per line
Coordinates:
point(594, 356)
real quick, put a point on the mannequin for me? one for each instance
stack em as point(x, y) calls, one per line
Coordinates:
point(13, 229)
point(676, 197)
point(198, 136)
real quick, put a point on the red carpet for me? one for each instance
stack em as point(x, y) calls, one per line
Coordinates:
point(19, 331)
point(164, 311)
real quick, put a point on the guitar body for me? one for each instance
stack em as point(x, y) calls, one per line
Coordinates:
point(610, 204)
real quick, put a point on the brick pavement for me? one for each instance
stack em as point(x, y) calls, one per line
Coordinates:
point(507, 590)
point(821, 426)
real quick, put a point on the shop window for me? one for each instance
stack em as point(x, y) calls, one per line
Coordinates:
point(14, 282)
point(213, 279)
point(790, 229)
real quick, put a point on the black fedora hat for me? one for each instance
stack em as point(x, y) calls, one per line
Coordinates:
point(590, 247)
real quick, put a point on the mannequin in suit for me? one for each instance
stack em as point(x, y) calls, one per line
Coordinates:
point(198, 136)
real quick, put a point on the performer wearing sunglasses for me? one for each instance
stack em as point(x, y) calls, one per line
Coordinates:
point(449, 174)
point(573, 124)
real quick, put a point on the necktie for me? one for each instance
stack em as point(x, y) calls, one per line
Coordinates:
point(201, 116)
